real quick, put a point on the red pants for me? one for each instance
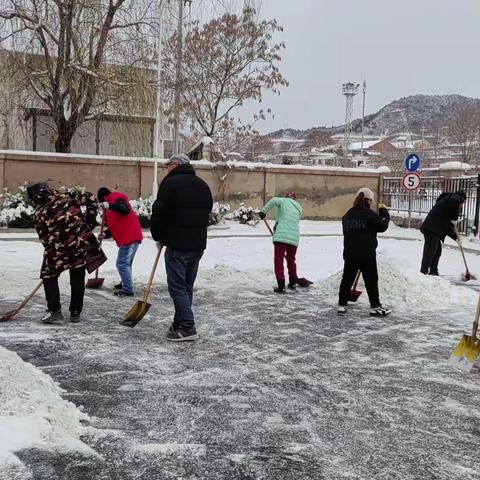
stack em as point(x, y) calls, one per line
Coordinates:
point(283, 250)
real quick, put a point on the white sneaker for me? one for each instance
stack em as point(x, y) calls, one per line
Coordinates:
point(341, 310)
point(380, 311)
point(52, 317)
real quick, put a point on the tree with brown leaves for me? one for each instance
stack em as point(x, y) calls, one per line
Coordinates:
point(226, 62)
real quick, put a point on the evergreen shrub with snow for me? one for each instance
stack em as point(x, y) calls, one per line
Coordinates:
point(143, 209)
point(246, 215)
point(218, 213)
point(15, 209)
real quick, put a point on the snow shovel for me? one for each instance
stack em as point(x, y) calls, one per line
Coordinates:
point(468, 349)
point(96, 282)
point(141, 308)
point(9, 315)
point(467, 275)
point(354, 293)
point(301, 282)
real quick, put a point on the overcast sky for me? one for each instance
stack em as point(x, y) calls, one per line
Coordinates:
point(401, 47)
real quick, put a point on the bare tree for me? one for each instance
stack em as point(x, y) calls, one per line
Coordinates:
point(79, 58)
point(464, 129)
point(226, 62)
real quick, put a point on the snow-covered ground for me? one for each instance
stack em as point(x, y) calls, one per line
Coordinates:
point(33, 415)
point(246, 253)
point(238, 320)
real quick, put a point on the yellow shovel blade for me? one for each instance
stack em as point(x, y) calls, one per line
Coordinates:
point(136, 313)
point(465, 354)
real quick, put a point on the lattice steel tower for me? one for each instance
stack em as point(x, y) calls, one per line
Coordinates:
point(349, 90)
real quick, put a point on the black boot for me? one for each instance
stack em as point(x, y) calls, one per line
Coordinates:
point(281, 287)
point(292, 283)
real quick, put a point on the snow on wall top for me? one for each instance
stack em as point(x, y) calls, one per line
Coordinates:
point(454, 166)
point(206, 163)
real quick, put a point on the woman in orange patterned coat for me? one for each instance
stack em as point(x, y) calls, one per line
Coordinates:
point(64, 222)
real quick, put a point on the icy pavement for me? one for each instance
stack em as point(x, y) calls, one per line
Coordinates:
point(278, 387)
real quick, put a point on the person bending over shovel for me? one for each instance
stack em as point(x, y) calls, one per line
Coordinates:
point(64, 222)
point(123, 226)
point(286, 237)
point(360, 227)
point(437, 225)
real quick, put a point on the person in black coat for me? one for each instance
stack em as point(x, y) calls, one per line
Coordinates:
point(437, 225)
point(179, 222)
point(360, 227)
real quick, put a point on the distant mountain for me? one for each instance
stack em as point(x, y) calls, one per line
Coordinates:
point(413, 113)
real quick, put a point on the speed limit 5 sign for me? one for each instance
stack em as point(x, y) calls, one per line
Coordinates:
point(411, 181)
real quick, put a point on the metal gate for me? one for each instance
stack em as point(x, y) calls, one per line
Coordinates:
point(419, 203)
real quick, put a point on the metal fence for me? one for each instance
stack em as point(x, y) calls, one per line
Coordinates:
point(418, 204)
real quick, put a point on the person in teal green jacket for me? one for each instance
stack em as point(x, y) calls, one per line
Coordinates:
point(286, 237)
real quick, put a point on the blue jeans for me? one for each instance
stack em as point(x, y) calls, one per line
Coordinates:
point(125, 257)
point(182, 268)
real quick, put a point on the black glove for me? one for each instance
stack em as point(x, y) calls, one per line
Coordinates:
point(262, 215)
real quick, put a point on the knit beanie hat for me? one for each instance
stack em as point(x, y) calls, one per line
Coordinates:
point(102, 193)
point(367, 193)
point(34, 190)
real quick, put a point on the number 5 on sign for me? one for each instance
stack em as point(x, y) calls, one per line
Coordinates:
point(411, 182)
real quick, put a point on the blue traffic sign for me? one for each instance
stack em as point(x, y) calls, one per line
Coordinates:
point(412, 162)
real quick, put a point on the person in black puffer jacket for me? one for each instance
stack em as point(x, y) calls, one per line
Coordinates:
point(360, 227)
point(437, 226)
point(179, 222)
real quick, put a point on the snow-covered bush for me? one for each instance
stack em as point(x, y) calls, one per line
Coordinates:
point(246, 215)
point(15, 209)
point(218, 213)
point(143, 209)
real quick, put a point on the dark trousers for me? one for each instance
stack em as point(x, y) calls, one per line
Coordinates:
point(432, 251)
point(283, 250)
point(77, 286)
point(182, 268)
point(370, 277)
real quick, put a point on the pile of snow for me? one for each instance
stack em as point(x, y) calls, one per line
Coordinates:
point(33, 415)
point(405, 289)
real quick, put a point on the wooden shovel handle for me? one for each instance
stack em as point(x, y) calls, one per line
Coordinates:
point(12, 313)
point(475, 321)
point(152, 275)
point(357, 279)
point(102, 227)
point(463, 256)
point(460, 246)
point(268, 226)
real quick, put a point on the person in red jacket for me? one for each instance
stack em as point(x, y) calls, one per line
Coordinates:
point(123, 226)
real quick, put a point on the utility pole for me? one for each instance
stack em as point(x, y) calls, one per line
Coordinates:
point(159, 150)
point(178, 79)
point(363, 112)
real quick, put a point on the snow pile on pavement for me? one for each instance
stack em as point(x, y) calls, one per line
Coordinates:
point(405, 288)
point(33, 415)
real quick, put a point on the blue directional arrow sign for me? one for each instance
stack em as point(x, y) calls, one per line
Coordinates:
point(412, 162)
